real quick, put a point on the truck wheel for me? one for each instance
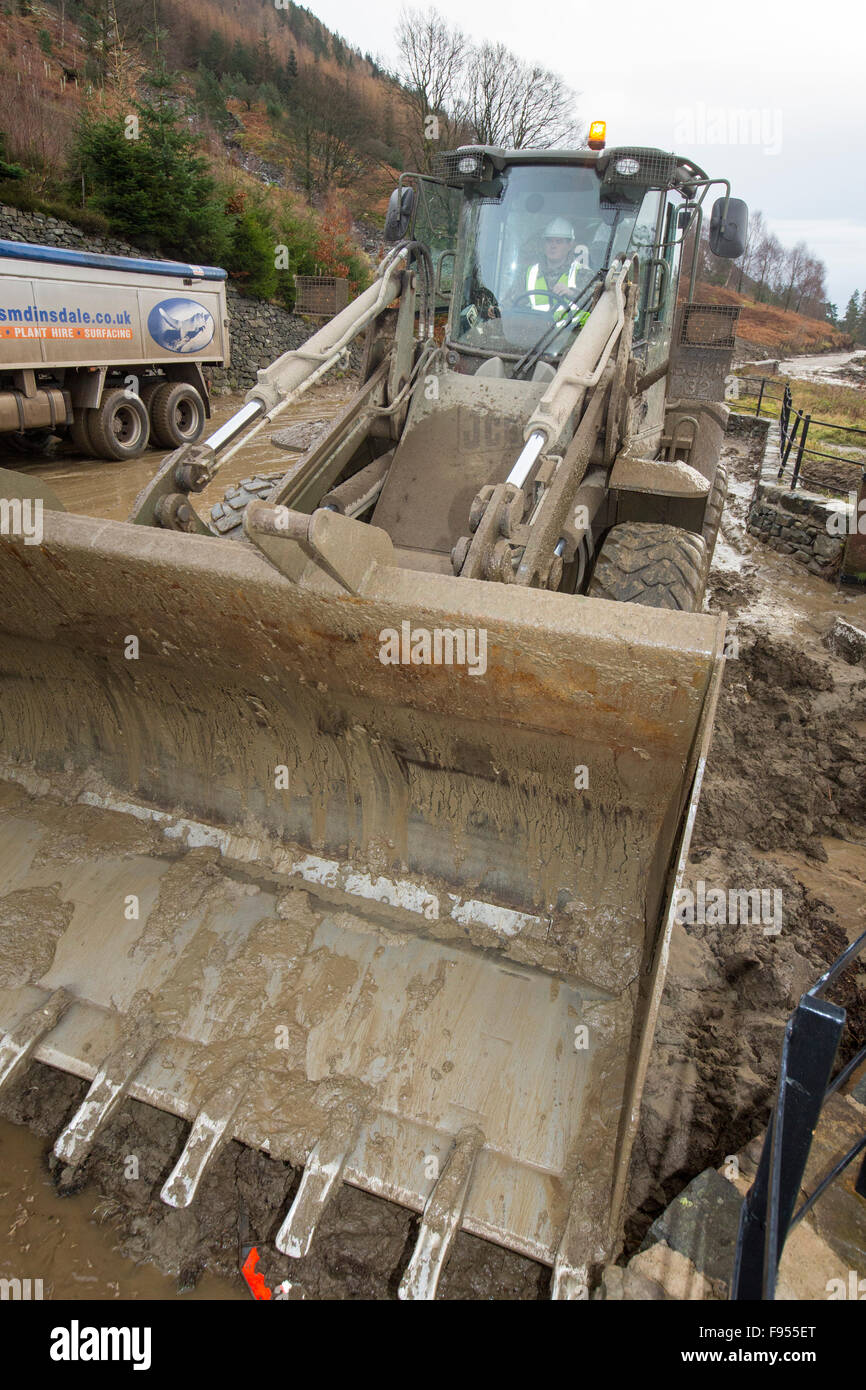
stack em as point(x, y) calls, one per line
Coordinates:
point(79, 431)
point(176, 414)
point(119, 427)
point(715, 507)
point(227, 516)
point(149, 387)
point(654, 565)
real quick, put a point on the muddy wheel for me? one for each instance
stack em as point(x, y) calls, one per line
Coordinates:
point(148, 388)
point(654, 565)
point(119, 428)
point(79, 431)
point(715, 507)
point(227, 516)
point(177, 414)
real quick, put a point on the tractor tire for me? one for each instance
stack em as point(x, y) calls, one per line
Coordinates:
point(119, 428)
point(177, 414)
point(79, 431)
point(227, 516)
point(713, 513)
point(653, 565)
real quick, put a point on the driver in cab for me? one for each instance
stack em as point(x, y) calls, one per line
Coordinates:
point(558, 270)
point(547, 286)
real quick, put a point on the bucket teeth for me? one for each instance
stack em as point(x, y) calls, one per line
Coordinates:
point(320, 1181)
point(569, 1282)
point(17, 1045)
point(586, 1241)
point(107, 1090)
point(443, 1214)
point(210, 1130)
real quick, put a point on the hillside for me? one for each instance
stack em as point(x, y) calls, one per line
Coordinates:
point(98, 96)
point(777, 332)
point(247, 133)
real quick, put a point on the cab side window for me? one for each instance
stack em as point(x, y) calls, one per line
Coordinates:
point(643, 245)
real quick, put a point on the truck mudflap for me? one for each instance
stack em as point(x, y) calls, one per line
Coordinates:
point(401, 921)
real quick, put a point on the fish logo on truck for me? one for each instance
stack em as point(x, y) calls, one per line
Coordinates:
point(181, 325)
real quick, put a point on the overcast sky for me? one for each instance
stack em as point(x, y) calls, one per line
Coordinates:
point(687, 68)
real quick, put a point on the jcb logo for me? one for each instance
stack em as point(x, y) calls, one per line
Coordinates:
point(20, 1290)
point(482, 433)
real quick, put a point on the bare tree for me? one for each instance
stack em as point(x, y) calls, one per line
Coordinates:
point(794, 266)
point(490, 83)
point(509, 103)
point(767, 258)
point(754, 236)
point(326, 133)
point(483, 93)
point(543, 116)
point(811, 289)
point(432, 58)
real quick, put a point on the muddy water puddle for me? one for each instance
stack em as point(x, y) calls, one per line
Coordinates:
point(103, 488)
point(765, 586)
point(68, 1243)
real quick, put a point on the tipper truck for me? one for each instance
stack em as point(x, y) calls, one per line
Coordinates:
point(110, 350)
point(348, 822)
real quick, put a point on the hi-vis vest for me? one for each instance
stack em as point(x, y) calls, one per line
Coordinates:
point(536, 284)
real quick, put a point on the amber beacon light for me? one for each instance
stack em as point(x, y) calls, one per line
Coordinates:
point(596, 135)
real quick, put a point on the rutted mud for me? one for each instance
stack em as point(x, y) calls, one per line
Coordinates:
point(783, 808)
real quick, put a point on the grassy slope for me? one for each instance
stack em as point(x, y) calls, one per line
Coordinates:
point(778, 331)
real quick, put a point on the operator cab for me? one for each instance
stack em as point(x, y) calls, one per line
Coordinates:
point(529, 253)
point(490, 219)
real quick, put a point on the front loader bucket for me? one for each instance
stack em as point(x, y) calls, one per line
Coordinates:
point(404, 924)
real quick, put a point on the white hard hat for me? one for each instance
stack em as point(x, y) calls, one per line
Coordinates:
point(559, 227)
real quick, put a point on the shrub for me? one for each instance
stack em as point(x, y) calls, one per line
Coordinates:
point(156, 190)
point(251, 254)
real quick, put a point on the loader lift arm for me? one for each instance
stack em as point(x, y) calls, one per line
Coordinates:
point(165, 500)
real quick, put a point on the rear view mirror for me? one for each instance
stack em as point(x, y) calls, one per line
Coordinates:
point(728, 236)
point(398, 218)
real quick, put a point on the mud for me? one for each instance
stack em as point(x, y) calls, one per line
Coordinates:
point(361, 1247)
point(69, 1248)
point(831, 368)
point(783, 808)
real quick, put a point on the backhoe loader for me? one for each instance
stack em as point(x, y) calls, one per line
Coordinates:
point(348, 823)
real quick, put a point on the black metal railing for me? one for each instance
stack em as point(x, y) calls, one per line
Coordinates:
point(806, 1083)
point(794, 427)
